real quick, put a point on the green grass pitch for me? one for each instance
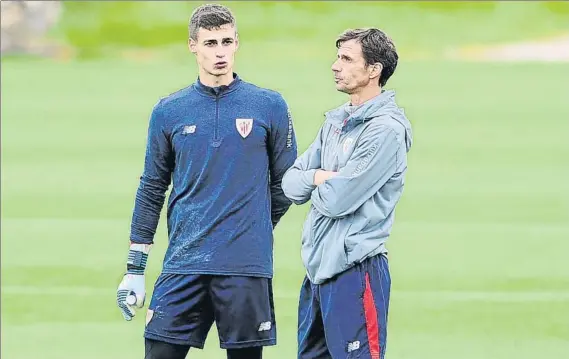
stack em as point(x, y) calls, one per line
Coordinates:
point(480, 248)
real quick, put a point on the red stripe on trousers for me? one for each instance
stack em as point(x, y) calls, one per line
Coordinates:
point(372, 326)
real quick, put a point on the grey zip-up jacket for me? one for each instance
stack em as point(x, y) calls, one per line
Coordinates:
point(351, 214)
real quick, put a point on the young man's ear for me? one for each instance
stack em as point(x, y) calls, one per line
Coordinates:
point(192, 45)
point(236, 41)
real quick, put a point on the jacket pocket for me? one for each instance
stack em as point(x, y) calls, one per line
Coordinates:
point(348, 222)
point(308, 227)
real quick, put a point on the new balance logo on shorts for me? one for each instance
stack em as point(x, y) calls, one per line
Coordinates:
point(265, 326)
point(353, 346)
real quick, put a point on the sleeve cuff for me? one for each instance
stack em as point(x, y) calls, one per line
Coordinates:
point(308, 178)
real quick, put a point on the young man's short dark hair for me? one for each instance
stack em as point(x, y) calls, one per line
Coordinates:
point(209, 16)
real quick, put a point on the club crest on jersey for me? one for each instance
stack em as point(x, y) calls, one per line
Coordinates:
point(347, 144)
point(244, 126)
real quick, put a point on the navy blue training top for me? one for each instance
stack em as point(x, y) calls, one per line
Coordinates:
point(225, 151)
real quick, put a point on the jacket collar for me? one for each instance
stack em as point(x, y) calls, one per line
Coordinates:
point(345, 118)
point(218, 91)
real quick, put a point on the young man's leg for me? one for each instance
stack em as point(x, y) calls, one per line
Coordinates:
point(354, 306)
point(244, 314)
point(161, 350)
point(311, 338)
point(245, 353)
point(180, 311)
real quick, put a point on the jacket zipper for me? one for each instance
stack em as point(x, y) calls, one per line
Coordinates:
point(336, 147)
point(216, 141)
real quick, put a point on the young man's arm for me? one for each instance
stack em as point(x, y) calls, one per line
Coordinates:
point(150, 196)
point(299, 180)
point(282, 154)
point(154, 182)
point(372, 164)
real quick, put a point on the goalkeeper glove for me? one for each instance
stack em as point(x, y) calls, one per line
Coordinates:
point(131, 291)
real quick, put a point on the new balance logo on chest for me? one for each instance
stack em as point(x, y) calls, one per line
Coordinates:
point(188, 129)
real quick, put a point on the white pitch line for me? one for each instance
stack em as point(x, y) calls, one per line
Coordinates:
point(443, 295)
point(486, 296)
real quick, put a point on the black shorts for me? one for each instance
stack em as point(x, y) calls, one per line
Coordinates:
point(184, 307)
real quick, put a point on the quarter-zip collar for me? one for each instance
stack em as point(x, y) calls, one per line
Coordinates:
point(218, 91)
point(346, 116)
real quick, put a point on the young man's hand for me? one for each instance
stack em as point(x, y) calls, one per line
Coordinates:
point(131, 292)
point(320, 176)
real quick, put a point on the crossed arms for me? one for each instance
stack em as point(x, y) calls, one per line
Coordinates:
point(338, 194)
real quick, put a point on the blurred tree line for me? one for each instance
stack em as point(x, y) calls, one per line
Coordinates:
point(91, 26)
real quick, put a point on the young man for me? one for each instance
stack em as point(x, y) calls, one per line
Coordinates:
point(225, 145)
point(354, 174)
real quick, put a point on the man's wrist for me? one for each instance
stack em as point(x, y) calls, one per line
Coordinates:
point(137, 258)
point(309, 176)
point(317, 180)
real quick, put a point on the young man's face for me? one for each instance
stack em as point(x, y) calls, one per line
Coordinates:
point(350, 71)
point(215, 49)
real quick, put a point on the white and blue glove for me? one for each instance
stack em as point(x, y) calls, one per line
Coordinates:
point(131, 292)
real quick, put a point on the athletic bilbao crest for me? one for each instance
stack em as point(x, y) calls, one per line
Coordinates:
point(244, 126)
point(347, 144)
